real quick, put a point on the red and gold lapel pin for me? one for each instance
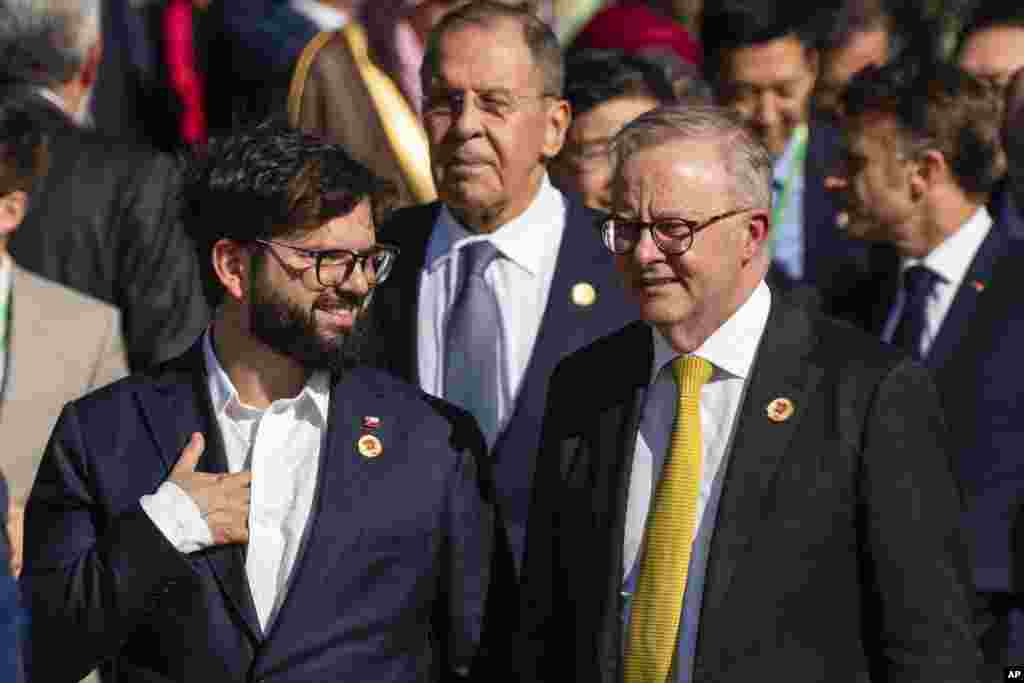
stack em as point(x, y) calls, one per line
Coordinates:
point(780, 410)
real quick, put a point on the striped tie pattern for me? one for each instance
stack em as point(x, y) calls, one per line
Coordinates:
point(658, 600)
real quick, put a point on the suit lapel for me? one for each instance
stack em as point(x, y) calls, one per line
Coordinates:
point(342, 477)
point(397, 303)
point(173, 407)
point(30, 349)
point(783, 369)
point(965, 303)
point(562, 316)
point(617, 427)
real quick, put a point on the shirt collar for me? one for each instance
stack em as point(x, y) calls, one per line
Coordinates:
point(223, 392)
point(952, 258)
point(730, 348)
point(523, 240)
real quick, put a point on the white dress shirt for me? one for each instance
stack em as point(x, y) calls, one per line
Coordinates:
point(6, 272)
point(950, 261)
point(281, 446)
point(730, 350)
point(520, 277)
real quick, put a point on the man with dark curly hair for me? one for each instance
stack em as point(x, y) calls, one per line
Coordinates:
point(262, 507)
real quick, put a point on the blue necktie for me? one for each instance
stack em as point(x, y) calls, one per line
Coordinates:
point(918, 282)
point(472, 339)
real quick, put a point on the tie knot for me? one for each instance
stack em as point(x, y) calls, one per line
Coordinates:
point(691, 373)
point(919, 280)
point(476, 256)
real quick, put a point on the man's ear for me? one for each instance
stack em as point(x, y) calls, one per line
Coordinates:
point(232, 265)
point(559, 116)
point(12, 211)
point(757, 234)
point(930, 170)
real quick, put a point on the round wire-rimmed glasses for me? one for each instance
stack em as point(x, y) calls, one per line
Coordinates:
point(671, 235)
point(331, 267)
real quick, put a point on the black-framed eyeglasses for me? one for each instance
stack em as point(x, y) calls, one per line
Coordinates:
point(333, 266)
point(671, 235)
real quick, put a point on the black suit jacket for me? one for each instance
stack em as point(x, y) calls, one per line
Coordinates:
point(836, 554)
point(104, 220)
point(388, 585)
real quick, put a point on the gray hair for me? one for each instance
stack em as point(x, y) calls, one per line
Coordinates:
point(538, 36)
point(46, 42)
point(745, 160)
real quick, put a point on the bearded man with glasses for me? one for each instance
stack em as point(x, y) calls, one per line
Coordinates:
point(264, 506)
point(713, 477)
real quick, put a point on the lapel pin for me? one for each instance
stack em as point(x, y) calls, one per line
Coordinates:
point(583, 294)
point(369, 446)
point(780, 410)
point(978, 285)
point(371, 422)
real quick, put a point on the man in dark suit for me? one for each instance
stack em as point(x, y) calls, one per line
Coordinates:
point(104, 219)
point(324, 521)
point(494, 117)
point(923, 144)
point(744, 468)
point(761, 59)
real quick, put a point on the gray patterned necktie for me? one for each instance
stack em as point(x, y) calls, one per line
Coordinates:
point(472, 338)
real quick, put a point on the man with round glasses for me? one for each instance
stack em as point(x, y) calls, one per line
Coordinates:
point(264, 506)
point(716, 477)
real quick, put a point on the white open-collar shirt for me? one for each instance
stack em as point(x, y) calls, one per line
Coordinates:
point(281, 445)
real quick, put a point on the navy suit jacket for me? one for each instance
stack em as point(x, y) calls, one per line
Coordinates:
point(976, 362)
point(565, 327)
point(388, 586)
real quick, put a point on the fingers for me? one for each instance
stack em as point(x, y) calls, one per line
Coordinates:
point(190, 456)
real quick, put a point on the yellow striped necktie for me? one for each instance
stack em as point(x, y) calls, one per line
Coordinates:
point(658, 601)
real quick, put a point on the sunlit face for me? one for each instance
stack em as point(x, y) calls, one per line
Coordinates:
point(584, 165)
point(697, 290)
point(769, 84)
point(994, 54)
point(839, 66)
point(292, 314)
point(493, 127)
point(875, 188)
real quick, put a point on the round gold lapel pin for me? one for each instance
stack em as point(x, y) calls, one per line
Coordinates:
point(369, 446)
point(584, 294)
point(780, 410)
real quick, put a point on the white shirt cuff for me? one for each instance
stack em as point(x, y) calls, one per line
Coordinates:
point(178, 518)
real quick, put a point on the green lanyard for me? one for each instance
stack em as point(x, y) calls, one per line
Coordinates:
point(796, 165)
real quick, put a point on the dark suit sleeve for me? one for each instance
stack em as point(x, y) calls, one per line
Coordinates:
point(539, 598)
point(89, 579)
point(160, 292)
point(917, 588)
point(465, 574)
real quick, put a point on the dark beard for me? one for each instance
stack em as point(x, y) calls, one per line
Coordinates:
point(291, 330)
